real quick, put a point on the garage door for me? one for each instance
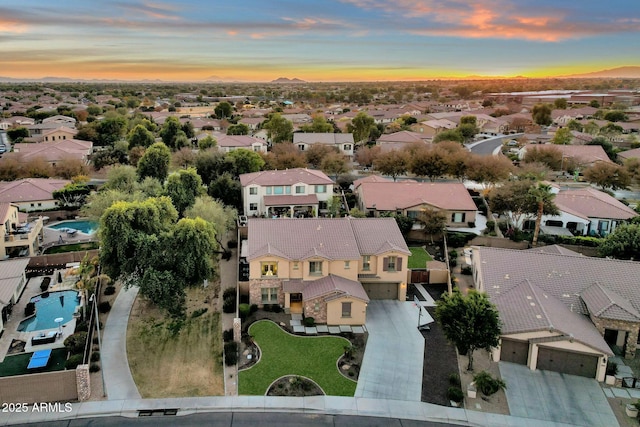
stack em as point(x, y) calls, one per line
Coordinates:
point(514, 351)
point(567, 362)
point(381, 290)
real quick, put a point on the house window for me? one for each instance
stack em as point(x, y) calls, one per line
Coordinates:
point(269, 190)
point(299, 189)
point(322, 205)
point(366, 263)
point(346, 309)
point(554, 223)
point(269, 295)
point(316, 307)
point(253, 191)
point(278, 189)
point(287, 189)
point(392, 263)
point(269, 268)
point(458, 217)
point(347, 147)
point(301, 147)
point(295, 265)
point(413, 214)
point(347, 265)
point(315, 268)
point(253, 206)
point(321, 188)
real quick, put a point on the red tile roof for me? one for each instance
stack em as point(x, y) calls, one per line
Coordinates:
point(30, 189)
point(390, 196)
point(333, 286)
point(591, 203)
point(285, 177)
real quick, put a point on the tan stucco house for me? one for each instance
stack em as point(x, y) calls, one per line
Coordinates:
point(560, 311)
point(325, 268)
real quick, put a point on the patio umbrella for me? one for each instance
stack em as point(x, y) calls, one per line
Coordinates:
point(59, 277)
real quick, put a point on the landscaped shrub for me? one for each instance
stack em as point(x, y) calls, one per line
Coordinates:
point(309, 321)
point(104, 307)
point(75, 343)
point(244, 310)
point(253, 308)
point(454, 380)
point(229, 305)
point(110, 290)
point(612, 368)
point(82, 327)
point(453, 262)
point(228, 293)
point(44, 285)
point(95, 356)
point(453, 253)
point(458, 240)
point(230, 353)
point(232, 244)
point(466, 270)
point(487, 384)
point(94, 367)
point(244, 299)
point(30, 309)
point(199, 312)
point(227, 335)
point(455, 394)
point(73, 361)
point(276, 308)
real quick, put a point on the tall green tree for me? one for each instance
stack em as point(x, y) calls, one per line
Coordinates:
point(111, 129)
point(172, 134)
point(516, 199)
point(432, 221)
point(469, 321)
point(562, 137)
point(227, 190)
point(428, 162)
point(361, 127)
point(72, 195)
point(223, 218)
point(223, 110)
point(541, 114)
point(245, 161)
point(238, 129)
point(183, 187)
point(449, 135)
point(392, 163)
point(140, 136)
point(318, 125)
point(155, 162)
point(543, 197)
point(195, 239)
point(278, 129)
point(608, 175)
point(335, 164)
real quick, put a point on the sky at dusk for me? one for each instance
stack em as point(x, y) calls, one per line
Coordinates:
point(327, 40)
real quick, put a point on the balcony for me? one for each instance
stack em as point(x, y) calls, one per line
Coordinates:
point(25, 235)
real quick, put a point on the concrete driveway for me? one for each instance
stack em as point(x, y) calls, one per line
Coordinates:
point(392, 364)
point(551, 396)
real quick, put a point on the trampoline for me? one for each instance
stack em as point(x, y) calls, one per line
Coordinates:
point(39, 359)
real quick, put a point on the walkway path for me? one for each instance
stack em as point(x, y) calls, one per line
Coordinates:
point(119, 383)
point(229, 279)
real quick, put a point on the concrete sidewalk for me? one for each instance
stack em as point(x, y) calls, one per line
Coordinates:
point(119, 383)
point(331, 405)
point(229, 279)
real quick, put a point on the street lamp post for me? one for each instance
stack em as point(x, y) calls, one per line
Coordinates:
point(94, 299)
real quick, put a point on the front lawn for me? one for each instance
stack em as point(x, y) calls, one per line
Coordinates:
point(419, 257)
point(285, 354)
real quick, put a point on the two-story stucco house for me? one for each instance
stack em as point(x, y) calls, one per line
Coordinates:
point(341, 141)
point(325, 268)
point(18, 237)
point(291, 193)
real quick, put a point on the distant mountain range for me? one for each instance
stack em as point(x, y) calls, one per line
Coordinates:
point(613, 73)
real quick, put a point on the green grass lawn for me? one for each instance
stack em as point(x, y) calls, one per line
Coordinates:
point(285, 354)
point(17, 364)
point(419, 257)
point(72, 247)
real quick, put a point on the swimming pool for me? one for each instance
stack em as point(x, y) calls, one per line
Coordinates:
point(56, 304)
point(83, 225)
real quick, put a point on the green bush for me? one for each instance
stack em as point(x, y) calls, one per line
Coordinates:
point(253, 308)
point(487, 384)
point(229, 305)
point(458, 240)
point(30, 309)
point(466, 270)
point(232, 244)
point(229, 293)
point(453, 253)
point(309, 321)
point(73, 361)
point(82, 327)
point(94, 367)
point(95, 356)
point(453, 262)
point(199, 312)
point(110, 290)
point(244, 310)
point(230, 353)
point(104, 307)
point(75, 343)
point(455, 394)
point(454, 380)
point(227, 335)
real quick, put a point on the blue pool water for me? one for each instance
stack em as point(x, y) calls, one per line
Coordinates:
point(57, 304)
point(85, 226)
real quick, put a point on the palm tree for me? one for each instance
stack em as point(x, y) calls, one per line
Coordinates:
point(543, 196)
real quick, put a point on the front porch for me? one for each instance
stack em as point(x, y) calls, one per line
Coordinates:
point(306, 206)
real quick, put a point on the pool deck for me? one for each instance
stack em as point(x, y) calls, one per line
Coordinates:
point(11, 325)
point(52, 237)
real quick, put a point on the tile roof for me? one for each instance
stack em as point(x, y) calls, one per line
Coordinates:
point(527, 308)
point(402, 136)
point(590, 203)
point(241, 141)
point(285, 177)
point(390, 196)
point(30, 189)
point(554, 249)
point(329, 238)
point(54, 151)
point(370, 178)
point(630, 154)
point(305, 199)
point(563, 276)
point(11, 272)
point(585, 154)
point(333, 286)
point(322, 138)
point(607, 304)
